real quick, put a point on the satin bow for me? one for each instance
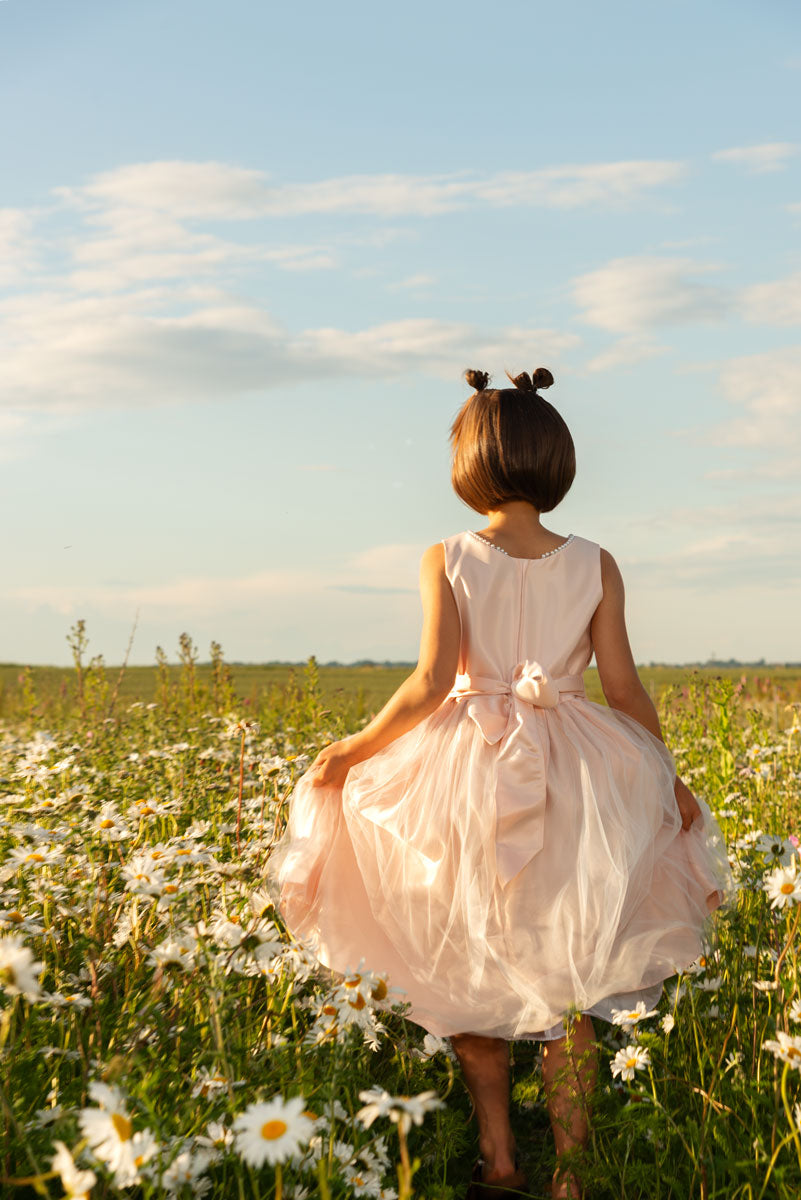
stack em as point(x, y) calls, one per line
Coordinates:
point(509, 713)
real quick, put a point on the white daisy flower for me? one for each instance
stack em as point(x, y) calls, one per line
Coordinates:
point(361, 1180)
point(629, 1060)
point(628, 1018)
point(186, 1170)
point(77, 1184)
point(668, 1022)
point(18, 971)
point(272, 1131)
point(403, 1110)
point(109, 1131)
point(795, 1010)
point(783, 886)
point(787, 1048)
point(779, 849)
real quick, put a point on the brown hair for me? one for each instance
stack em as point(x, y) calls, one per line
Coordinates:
point(511, 444)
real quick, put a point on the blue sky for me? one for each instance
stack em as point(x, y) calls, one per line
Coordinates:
point(247, 251)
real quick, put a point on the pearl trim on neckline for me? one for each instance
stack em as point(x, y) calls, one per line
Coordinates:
point(522, 557)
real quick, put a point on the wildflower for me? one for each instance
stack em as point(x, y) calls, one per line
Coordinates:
point(765, 985)
point(18, 971)
point(77, 1184)
point(668, 1022)
point(629, 1060)
point(185, 1170)
point(787, 1048)
point(783, 886)
point(779, 849)
point(272, 1131)
point(403, 1110)
point(109, 1131)
point(628, 1018)
point(795, 1010)
point(362, 1181)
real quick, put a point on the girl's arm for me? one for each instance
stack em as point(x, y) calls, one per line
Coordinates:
point(617, 672)
point(420, 694)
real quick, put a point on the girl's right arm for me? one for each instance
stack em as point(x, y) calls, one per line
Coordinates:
point(617, 671)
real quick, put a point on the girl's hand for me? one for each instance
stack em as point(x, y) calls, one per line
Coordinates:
point(688, 805)
point(331, 765)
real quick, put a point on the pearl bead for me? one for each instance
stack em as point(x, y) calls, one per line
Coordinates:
point(547, 553)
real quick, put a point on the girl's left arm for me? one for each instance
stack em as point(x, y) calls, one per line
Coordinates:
point(420, 694)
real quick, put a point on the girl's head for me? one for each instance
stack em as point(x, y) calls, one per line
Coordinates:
point(511, 444)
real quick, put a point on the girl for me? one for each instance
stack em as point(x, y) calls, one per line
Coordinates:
point(511, 853)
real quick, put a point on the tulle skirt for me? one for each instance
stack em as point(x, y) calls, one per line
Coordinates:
point(398, 869)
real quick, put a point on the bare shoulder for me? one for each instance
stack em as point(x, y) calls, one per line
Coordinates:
point(611, 579)
point(433, 560)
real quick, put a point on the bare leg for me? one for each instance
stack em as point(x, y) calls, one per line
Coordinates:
point(569, 1072)
point(485, 1066)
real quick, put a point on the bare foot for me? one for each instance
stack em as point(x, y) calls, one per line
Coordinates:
point(566, 1185)
point(514, 1178)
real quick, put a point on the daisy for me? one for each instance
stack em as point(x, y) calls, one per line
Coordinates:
point(362, 1181)
point(787, 1048)
point(783, 886)
point(629, 1060)
point(403, 1110)
point(628, 1018)
point(272, 1131)
point(795, 1010)
point(77, 1184)
point(18, 971)
point(668, 1022)
point(779, 849)
point(109, 1131)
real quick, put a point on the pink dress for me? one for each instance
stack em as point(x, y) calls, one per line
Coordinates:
point(518, 854)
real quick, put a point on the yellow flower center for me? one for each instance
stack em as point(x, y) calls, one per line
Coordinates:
point(15, 916)
point(122, 1126)
point(107, 823)
point(145, 810)
point(354, 981)
point(180, 853)
point(330, 1010)
point(271, 1130)
point(358, 1001)
point(307, 1112)
point(380, 990)
point(631, 1062)
point(793, 1052)
point(35, 857)
point(787, 888)
point(170, 889)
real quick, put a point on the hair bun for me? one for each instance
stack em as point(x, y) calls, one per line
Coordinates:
point(478, 380)
point(542, 378)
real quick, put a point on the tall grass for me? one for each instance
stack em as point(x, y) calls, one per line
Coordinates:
point(134, 837)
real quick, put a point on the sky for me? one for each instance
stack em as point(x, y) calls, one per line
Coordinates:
point(247, 251)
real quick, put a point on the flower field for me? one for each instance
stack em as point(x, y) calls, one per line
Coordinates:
point(161, 1034)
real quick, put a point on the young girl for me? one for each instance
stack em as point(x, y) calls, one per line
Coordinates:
point(511, 853)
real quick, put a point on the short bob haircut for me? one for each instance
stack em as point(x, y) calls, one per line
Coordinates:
point(511, 444)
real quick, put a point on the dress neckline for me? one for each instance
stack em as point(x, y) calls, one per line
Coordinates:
point(522, 557)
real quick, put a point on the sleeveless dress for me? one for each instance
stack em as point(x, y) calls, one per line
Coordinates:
point(518, 854)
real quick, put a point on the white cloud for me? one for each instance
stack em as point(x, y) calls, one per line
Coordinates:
point(629, 295)
point(17, 252)
point(776, 303)
point(82, 352)
point(625, 353)
point(378, 570)
point(765, 391)
point(218, 191)
point(768, 156)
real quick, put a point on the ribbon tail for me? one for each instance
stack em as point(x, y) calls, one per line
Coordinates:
point(520, 796)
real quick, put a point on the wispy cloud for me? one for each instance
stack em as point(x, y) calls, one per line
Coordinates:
point(219, 191)
point(775, 303)
point(765, 393)
point(378, 570)
point(630, 295)
point(767, 156)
